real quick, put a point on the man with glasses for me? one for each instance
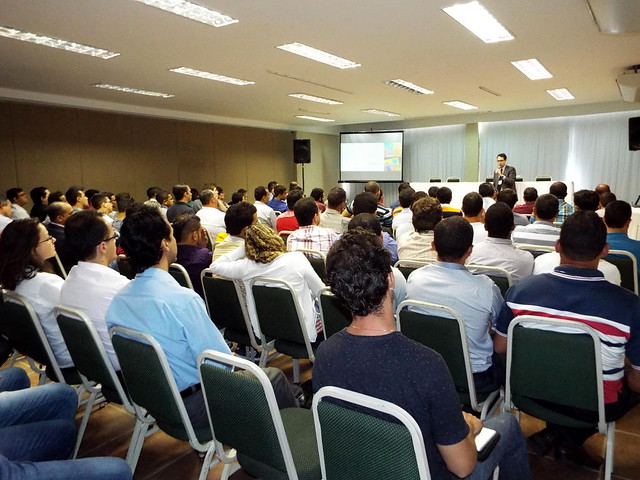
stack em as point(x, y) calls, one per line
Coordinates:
point(91, 284)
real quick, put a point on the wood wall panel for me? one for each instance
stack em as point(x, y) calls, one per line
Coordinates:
point(260, 158)
point(195, 154)
point(230, 165)
point(284, 169)
point(8, 174)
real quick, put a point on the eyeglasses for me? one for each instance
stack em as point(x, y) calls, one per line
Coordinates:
point(112, 237)
point(49, 238)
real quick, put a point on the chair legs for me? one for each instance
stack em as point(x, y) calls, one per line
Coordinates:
point(216, 454)
point(296, 370)
point(141, 430)
point(85, 419)
point(609, 451)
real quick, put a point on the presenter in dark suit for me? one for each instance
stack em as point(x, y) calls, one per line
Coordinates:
point(503, 171)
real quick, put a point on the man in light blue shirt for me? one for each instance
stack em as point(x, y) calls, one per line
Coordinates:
point(617, 217)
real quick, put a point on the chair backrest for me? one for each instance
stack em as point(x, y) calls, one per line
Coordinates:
point(285, 234)
point(443, 331)
point(318, 261)
point(178, 272)
point(435, 180)
point(281, 317)
point(408, 265)
point(335, 315)
point(357, 445)
point(543, 178)
point(151, 385)
point(627, 263)
point(88, 354)
point(453, 179)
point(536, 250)
point(252, 426)
point(125, 268)
point(539, 368)
point(499, 275)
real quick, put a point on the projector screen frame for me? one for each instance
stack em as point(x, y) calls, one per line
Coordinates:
point(371, 175)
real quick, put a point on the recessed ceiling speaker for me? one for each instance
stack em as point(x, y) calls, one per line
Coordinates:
point(302, 151)
point(629, 84)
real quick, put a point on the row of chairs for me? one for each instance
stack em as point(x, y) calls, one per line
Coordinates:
point(539, 178)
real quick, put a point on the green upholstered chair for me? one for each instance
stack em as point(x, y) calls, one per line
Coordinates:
point(408, 265)
point(318, 261)
point(334, 314)
point(536, 250)
point(627, 263)
point(270, 443)
point(178, 272)
point(125, 268)
point(499, 275)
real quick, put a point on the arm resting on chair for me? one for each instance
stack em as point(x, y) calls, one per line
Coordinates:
point(460, 458)
point(632, 376)
point(499, 343)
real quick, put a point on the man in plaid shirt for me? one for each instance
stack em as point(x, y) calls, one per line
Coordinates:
point(310, 236)
point(559, 190)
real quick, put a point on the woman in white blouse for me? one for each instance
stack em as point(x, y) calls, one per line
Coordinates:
point(24, 247)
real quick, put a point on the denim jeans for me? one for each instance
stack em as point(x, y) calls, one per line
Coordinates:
point(12, 379)
point(105, 468)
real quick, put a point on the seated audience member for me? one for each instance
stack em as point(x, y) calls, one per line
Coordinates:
point(165, 199)
point(395, 206)
point(414, 377)
point(602, 188)
point(151, 193)
point(102, 204)
point(270, 188)
point(510, 197)
point(90, 193)
point(404, 215)
point(488, 194)
point(5, 212)
point(498, 250)
point(192, 253)
point(576, 290)
point(239, 217)
point(264, 254)
point(57, 196)
point(211, 217)
point(24, 247)
point(617, 217)
point(182, 197)
point(222, 205)
point(318, 196)
point(368, 222)
point(475, 297)
point(541, 231)
point(287, 221)
point(605, 199)
point(237, 197)
point(417, 245)
point(91, 284)
point(405, 228)
point(59, 213)
point(266, 215)
point(195, 202)
point(444, 196)
point(559, 190)
point(123, 201)
point(473, 209)
point(332, 217)
point(366, 202)
point(309, 235)
point(40, 198)
point(18, 198)
point(529, 196)
point(293, 185)
point(383, 213)
point(586, 200)
point(76, 198)
point(546, 263)
point(433, 191)
point(279, 201)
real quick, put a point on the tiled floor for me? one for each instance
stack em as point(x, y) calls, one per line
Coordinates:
point(163, 457)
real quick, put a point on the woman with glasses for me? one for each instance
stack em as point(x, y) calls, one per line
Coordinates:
point(24, 247)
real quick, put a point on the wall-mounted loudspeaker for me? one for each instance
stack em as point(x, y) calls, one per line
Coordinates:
point(302, 151)
point(634, 133)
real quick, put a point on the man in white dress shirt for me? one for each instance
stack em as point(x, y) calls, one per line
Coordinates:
point(474, 210)
point(18, 198)
point(266, 215)
point(332, 217)
point(5, 212)
point(211, 216)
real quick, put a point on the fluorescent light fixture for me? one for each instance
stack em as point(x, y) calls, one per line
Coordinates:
point(532, 68)
point(192, 11)
point(313, 98)
point(475, 18)
point(381, 112)
point(56, 43)
point(210, 76)
point(132, 90)
point(409, 87)
point(317, 119)
point(461, 105)
point(561, 94)
point(318, 55)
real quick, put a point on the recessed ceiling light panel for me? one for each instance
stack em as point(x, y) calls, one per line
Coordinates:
point(409, 87)
point(561, 94)
point(318, 55)
point(461, 105)
point(210, 76)
point(53, 42)
point(192, 11)
point(532, 68)
point(375, 111)
point(313, 98)
point(475, 18)
point(317, 119)
point(132, 90)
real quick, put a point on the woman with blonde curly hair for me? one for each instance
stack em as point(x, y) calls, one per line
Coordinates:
point(265, 255)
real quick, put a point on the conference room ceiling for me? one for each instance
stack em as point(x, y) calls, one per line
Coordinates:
point(413, 40)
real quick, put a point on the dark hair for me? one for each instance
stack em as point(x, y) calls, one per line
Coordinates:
point(444, 195)
point(14, 193)
point(508, 182)
point(402, 186)
point(586, 200)
point(530, 194)
point(358, 268)
point(36, 195)
point(195, 194)
point(503, 155)
point(472, 204)
point(56, 209)
point(486, 190)
point(558, 190)
point(317, 194)
point(97, 200)
point(259, 193)
point(83, 232)
point(72, 194)
point(238, 216)
point(4, 200)
point(142, 233)
point(452, 237)
point(242, 191)
point(372, 187)
point(405, 197)
point(90, 193)
point(617, 213)
point(583, 236)
point(433, 191)
point(606, 198)
point(293, 197)
point(365, 202)
point(293, 185)
point(55, 196)
point(546, 207)
point(366, 221)
point(279, 190)
point(17, 261)
point(304, 210)
point(499, 220)
point(160, 197)
point(336, 196)
point(184, 225)
point(124, 201)
point(420, 194)
point(508, 196)
point(427, 213)
point(271, 185)
point(153, 191)
point(179, 191)
point(236, 197)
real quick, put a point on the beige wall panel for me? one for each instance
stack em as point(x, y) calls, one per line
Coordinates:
point(283, 167)
point(8, 175)
point(46, 146)
point(155, 154)
point(195, 153)
point(259, 157)
point(106, 151)
point(230, 163)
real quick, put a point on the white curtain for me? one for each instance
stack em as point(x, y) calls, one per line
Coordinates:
point(434, 152)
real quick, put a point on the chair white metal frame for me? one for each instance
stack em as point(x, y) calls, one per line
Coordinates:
point(181, 275)
point(634, 262)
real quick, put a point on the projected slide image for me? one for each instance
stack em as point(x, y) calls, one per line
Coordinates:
point(392, 156)
point(364, 157)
